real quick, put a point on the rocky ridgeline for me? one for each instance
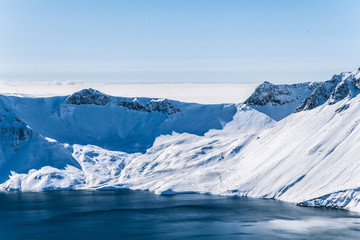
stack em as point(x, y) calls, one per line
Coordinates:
point(312, 95)
point(268, 93)
point(94, 97)
point(135, 104)
point(161, 105)
point(339, 87)
point(154, 105)
point(88, 96)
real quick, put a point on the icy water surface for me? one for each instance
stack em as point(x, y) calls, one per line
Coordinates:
point(125, 214)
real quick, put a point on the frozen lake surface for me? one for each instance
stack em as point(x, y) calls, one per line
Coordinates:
point(125, 214)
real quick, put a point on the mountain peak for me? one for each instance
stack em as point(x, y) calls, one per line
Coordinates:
point(281, 100)
point(339, 87)
point(88, 96)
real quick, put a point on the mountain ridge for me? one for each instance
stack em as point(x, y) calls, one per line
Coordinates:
point(296, 143)
point(304, 96)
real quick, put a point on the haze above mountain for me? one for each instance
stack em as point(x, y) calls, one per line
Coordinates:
point(184, 92)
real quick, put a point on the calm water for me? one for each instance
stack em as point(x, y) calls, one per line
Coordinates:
point(126, 214)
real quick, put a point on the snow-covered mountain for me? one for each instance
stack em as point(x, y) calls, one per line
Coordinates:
point(279, 101)
point(297, 143)
point(116, 123)
point(22, 149)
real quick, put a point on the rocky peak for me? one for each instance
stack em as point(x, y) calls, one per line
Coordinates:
point(161, 105)
point(303, 96)
point(349, 86)
point(94, 97)
point(268, 93)
point(319, 96)
point(154, 105)
point(332, 91)
point(134, 104)
point(279, 101)
point(88, 96)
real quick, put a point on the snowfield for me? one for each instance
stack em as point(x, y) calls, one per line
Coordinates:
point(298, 143)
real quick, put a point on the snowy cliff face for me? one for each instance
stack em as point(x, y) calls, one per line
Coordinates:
point(134, 104)
point(161, 105)
point(279, 101)
point(331, 91)
point(344, 85)
point(268, 93)
point(309, 157)
point(22, 149)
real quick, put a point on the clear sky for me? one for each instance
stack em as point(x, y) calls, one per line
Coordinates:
point(193, 41)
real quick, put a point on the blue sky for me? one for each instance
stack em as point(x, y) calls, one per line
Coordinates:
point(198, 41)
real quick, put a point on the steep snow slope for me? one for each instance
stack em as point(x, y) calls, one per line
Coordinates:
point(22, 149)
point(309, 157)
point(279, 101)
point(126, 124)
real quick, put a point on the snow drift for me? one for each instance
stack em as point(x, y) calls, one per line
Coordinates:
point(297, 143)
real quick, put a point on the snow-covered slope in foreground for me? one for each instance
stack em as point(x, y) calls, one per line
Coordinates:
point(309, 157)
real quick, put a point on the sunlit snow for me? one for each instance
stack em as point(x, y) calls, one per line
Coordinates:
point(261, 148)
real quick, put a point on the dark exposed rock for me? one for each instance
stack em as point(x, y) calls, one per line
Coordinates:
point(342, 108)
point(341, 91)
point(332, 91)
point(88, 96)
point(133, 105)
point(154, 105)
point(263, 94)
point(267, 93)
point(94, 97)
point(303, 96)
point(320, 95)
point(161, 105)
point(356, 82)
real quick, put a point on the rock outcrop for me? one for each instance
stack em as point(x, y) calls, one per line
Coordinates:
point(88, 96)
